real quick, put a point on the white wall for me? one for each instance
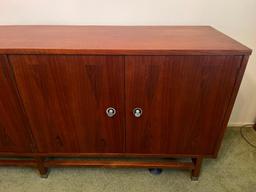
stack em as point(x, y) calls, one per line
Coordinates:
point(236, 18)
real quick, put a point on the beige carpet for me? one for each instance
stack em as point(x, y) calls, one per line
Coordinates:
point(234, 170)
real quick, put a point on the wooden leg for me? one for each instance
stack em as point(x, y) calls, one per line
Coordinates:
point(43, 171)
point(196, 171)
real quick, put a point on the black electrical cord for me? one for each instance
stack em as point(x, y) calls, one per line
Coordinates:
point(242, 134)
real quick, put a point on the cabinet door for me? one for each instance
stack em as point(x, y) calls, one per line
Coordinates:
point(183, 101)
point(14, 135)
point(66, 98)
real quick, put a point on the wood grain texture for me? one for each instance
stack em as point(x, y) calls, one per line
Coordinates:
point(102, 155)
point(57, 82)
point(184, 100)
point(118, 40)
point(66, 98)
point(18, 163)
point(96, 163)
point(239, 77)
point(114, 164)
point(14, 135)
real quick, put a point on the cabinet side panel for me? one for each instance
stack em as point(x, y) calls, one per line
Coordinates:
point(14, 135)
point(238, 81)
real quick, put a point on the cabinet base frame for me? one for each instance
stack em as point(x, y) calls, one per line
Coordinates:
point(43, 164)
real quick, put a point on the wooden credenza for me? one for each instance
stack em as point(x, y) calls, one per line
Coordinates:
point(109, 91)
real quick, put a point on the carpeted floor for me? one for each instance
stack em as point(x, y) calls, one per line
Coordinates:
point(233, 171)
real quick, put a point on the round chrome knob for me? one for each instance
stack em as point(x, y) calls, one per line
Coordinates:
point(137, 112)
point(110, 111)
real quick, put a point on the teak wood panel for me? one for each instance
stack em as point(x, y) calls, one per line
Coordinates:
point(184, 100)
point(65, 98)
point(118, 40)
point(14, 135)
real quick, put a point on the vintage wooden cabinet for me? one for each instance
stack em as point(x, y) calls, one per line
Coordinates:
point(109, 91)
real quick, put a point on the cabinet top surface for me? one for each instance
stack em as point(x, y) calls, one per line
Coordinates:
point(118, 40)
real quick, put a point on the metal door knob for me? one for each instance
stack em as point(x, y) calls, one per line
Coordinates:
point(137, 112)
point(110, 112)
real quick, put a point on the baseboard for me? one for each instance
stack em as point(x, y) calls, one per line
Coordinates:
point(237, 125)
